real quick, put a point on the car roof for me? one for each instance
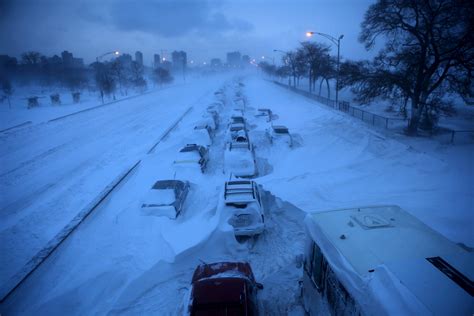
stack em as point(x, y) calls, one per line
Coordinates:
point(191, 147)
point(209, 270)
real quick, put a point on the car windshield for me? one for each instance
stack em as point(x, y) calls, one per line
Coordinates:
point(189, 148)
point(281, 130)
point(235, 128)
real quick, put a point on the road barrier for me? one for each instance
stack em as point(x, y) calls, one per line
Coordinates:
point(19, 278)
point(344, 106)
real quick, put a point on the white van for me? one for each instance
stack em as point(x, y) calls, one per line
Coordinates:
point(380, 260)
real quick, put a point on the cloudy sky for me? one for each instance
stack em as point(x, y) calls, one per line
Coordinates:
point(203, 28)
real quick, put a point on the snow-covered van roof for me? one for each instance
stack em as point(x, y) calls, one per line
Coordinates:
point(395, 259)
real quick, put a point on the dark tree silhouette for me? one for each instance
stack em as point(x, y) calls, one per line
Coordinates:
point(7, 90)
point(428, 52)
point(162, 76)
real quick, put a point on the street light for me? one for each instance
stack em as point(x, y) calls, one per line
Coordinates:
point(101, 71)
point(116, 53)
point(336, 41)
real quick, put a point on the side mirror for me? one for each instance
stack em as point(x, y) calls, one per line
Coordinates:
point(299, 259)
point(260, 286)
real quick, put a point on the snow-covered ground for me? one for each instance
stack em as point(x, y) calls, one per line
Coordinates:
point(122, 262)
point(461, 120)
point(17, 114)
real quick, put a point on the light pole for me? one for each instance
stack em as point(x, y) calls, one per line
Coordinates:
point(116, 53)
point(337, 42)
point(101, 72)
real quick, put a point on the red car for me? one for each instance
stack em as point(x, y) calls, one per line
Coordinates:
point(224, 288)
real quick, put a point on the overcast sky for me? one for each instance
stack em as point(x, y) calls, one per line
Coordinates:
point(204, 29)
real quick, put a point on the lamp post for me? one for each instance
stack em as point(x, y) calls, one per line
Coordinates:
point(337, 42)
point(101, 72)
point(116, 53)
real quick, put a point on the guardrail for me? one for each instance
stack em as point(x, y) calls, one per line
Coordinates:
point(31, 266)
point(369, 117)
point(344, 106)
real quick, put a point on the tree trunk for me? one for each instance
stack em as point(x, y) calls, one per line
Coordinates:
point(329, 89)
point(416, 111)
point(320, 86)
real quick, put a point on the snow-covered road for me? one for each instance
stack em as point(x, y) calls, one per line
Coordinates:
point(50, 171)
point(121, 262)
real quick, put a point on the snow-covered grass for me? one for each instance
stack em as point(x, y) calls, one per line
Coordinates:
point(18, 112)
point(461, 120)
point(122, 262)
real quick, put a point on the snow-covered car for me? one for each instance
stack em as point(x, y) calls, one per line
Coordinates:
point(243, 205)
point(207, 121)
point(214, 117)
point(264, 113)
point(202, 135)
point(224, 288)
point(166, 198)
point(239, 136)
point(235, 127)
point(237, 123)
point(237, 118)
point(280, 134)
point(193, 156)
point(239, 160)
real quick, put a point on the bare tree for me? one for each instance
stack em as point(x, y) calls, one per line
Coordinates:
point(267, 68)
point(121, 75)
point(7, 90)
point(429, 50)
point(31, 58)
point(162, 76)
point(136, 76)
point(105, 79)
point(319, 63)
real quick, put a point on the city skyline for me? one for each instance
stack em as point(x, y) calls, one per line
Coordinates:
point(204, 29)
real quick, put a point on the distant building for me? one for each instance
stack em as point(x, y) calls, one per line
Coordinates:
point(70, 62)
point(180, 60)
point(234, 59)
point(7, 63)
point(246, 60)
point(216, 62)
point(125, 59)
point(67, 58)
point(156, 60)
point(139, 58)
point(55, 60)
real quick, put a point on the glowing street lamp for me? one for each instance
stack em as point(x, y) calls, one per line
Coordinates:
point(337, 42)
point(115, 52)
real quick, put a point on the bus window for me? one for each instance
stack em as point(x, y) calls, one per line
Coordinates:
point(317, 267)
